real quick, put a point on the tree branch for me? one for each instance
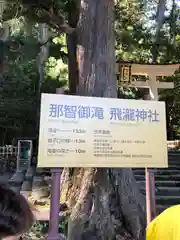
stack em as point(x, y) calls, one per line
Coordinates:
point(55, 21)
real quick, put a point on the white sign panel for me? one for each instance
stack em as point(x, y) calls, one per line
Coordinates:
point(101, 132)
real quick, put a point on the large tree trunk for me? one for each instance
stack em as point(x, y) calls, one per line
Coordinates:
point(105, 203)
point(160, 17)
point(73, 17)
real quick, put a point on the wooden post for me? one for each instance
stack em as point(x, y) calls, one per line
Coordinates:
point(150, 188)
point(153, 88)
point(152, 71)
point(150, 178)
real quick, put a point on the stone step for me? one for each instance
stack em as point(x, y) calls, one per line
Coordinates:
point(170, 155)
point(177, 154)
point(167, 182)
point(173, 156)
point(173, 162)
point(160, 177)
point(173, 159)
point(167, 171)
point(161, 208)
point(162, 183)
point(172, 152)
point(167, 200)
point(163, 190)
point(171, 167)
point(168, 177)
point(4, 178)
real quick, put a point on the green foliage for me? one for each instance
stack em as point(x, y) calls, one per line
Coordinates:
point(19, 88)
point(18, 91)
point(135, 34)
point(56, 69)
point(18, 104)
point(172, 99)
point(41, 229)
point(56, 66)
point(51, 12)
point(132, 38)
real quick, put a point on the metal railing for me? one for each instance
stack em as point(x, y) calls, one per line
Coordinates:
point(8, 159)
point(8, 151)
point(174, 144)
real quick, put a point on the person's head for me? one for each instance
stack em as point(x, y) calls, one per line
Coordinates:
point(16, 216)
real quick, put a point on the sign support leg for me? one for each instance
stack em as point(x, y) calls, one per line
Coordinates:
point(150, 195)
point(54, 205)
point(153, 193)
point(149, 173)
point(53, 233)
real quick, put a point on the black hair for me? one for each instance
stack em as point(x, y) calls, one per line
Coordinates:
point(16, 216)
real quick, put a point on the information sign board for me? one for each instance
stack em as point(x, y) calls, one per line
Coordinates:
point(80, 131)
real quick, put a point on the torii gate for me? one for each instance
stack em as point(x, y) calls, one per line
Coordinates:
point(125, 71)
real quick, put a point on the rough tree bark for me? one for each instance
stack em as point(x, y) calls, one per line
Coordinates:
point(105, 203)
point(73, 17)
point(160, 17)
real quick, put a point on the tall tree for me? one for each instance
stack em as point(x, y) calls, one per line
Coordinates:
point(101, 198)
point(105, 203)
point(160, 18)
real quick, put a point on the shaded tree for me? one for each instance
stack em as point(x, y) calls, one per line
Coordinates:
point(100, 192)
point(111, 196)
